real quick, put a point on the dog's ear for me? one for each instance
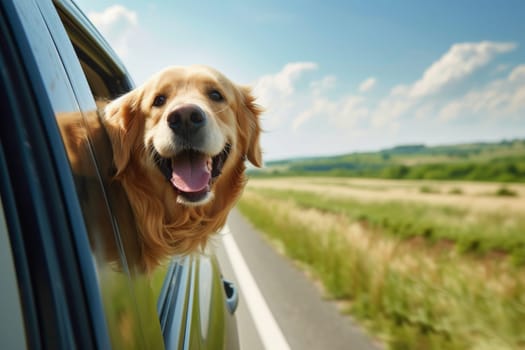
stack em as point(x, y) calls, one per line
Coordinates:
point(249, 126)
point(123, 124)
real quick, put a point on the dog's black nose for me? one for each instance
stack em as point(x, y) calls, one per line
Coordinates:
point(186, 119)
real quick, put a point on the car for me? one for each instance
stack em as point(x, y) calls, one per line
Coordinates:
point(68, 240)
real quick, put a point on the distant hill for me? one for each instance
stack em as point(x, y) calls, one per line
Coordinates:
point(502, 161)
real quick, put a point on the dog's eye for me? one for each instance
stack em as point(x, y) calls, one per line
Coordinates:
point(215, 96)
point(159, 100)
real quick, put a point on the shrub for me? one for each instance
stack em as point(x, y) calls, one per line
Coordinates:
point(505, 192)
point(456, 190)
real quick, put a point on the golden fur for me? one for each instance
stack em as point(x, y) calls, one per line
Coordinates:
point(169, 224)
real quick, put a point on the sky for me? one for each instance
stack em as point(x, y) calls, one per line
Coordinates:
point(337, 77)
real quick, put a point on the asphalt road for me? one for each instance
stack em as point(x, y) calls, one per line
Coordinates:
point(279, 307)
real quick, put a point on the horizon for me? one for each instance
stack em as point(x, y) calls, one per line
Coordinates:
point(335, 155)
point(337, 78)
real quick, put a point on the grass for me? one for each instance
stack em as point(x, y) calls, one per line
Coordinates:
point(469, 232)
point(456, 190)
point(409, 281)
point(428, 189)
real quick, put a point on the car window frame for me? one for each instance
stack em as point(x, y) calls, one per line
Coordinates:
point(91, 46)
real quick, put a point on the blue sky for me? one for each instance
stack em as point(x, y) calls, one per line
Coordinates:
point(343, 76)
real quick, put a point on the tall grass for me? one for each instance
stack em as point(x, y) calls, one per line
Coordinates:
point(468, 231)
point(411, 294)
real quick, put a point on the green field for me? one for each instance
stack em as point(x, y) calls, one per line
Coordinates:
point(503, 162)
point(423, 265)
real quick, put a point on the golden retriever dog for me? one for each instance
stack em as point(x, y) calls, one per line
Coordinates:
point(179, 143)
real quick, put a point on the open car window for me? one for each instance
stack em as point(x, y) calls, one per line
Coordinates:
point(128, 299)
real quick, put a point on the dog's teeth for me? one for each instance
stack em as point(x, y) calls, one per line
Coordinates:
point(209, 163)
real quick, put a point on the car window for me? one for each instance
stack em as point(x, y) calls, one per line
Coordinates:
point(129, 303)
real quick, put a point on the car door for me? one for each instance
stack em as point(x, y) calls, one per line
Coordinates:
point(70, 227)
point(194, 309)
point(60, 313)
point(93, 72)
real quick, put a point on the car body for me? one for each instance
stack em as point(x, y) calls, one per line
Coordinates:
point(67, 237)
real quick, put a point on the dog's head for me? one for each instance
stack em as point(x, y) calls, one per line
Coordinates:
point(190, 126)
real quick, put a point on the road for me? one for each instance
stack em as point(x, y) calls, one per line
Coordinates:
point(279, 307)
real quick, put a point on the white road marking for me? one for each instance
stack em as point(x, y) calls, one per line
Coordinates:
point(269, 331)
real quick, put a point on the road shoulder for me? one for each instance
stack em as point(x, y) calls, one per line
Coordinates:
point(307, 320)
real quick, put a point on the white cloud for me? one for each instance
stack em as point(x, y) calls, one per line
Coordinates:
point(353, 111)
point(283, 81)
point(319, 106)
point(303, 107)
point(418, 100)
point(344, 113)
point(118, 25)
point(291, 108)
point(367, 85)
point(111, 15)
point(389, 109)
point(518, 73)
point(458, 62)
point(320, 86)
point(504, 98)
point(274, 92)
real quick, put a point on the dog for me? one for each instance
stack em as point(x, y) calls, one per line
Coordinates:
point(180, 142)
point(179, 146)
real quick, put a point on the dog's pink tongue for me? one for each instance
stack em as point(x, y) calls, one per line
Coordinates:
point(190, 172)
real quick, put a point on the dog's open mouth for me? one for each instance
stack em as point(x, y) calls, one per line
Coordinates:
point(192, 173)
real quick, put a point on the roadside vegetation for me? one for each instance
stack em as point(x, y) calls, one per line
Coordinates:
point(418, 263)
